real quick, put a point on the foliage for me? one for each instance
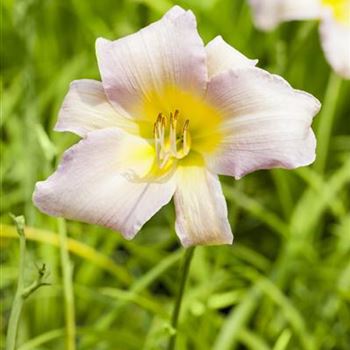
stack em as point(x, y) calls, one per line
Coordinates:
point(284, 284)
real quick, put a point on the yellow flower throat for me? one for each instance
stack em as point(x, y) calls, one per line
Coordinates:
point(179, 124)
point(340, 9)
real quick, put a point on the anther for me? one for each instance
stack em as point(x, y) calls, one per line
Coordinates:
point(186, 141)
point(185, 127)
point(172, 133)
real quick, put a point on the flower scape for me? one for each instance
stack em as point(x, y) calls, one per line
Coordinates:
point(334, 16)
point(169, 116)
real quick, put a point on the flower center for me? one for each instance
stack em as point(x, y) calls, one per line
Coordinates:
point(171, 139)
point(340, 9)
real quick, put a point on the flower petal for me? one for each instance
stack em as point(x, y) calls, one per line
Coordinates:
point(86, 108)
point(335, 40)
point(175, 12)
point(93, 183)
point(267, 122)
point(221, 56)
point(167, 52)
point(201, 212)
point(269, 13)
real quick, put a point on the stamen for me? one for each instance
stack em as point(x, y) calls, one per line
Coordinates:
point(186, 141)
point(164, 161)
point(172, 133)
point(161, 127)
point(156, 139)
point(167, 148)
point(163, 122)
point(185, 127)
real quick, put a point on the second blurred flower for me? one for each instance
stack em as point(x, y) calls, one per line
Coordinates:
point(334, 28)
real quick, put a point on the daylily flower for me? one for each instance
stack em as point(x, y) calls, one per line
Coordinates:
point(334, 28)
point(169, 115)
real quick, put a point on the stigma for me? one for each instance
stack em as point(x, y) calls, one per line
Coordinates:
point(172, 140)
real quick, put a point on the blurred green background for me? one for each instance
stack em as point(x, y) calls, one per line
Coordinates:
point(284, 284)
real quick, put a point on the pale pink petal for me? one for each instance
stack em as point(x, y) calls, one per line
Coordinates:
point(269, 13)
point(167, 52)
point(266, 122)
point(335, 40)
point(95, 183)
point(300, 10)
point(86, 108)
point(221, 56)
point(201, 212)
point(266, 13)
point(175, 12)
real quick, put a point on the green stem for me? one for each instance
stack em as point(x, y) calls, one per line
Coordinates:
point(67, 287)
point(326, 120)
point(18, 299)
point(22, 292)
point(184, 274)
